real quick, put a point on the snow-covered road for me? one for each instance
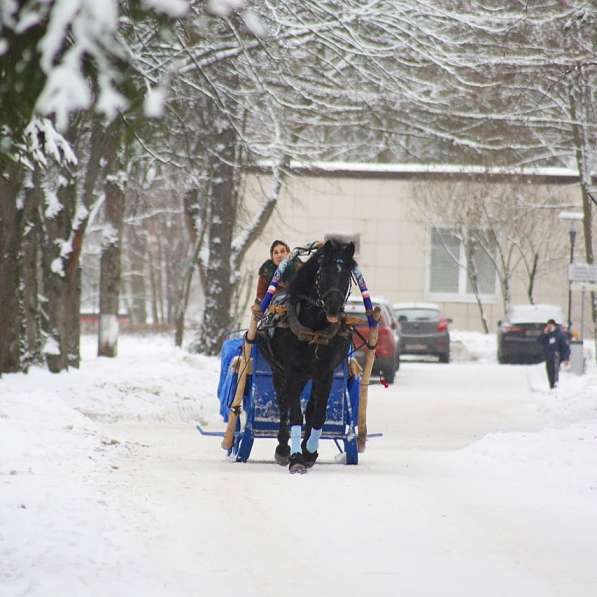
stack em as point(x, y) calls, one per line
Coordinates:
point(484, 483)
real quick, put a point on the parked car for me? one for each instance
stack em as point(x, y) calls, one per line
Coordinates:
point(387, 354)
point(518, 332)
point(423, 330)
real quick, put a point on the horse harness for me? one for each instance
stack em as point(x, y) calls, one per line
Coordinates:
point(284, 315)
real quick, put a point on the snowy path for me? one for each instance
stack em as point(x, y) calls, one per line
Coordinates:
point(442, 407)
point(472, 490)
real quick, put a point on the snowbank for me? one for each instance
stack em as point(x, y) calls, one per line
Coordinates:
point(473, 346)
point(484, 483)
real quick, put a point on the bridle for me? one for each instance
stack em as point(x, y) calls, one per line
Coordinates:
point(330, 331)
point(319, 300)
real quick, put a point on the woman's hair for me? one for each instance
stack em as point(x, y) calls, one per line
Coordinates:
point(275, 244)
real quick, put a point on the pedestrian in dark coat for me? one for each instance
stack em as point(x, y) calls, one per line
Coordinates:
point(556, 350)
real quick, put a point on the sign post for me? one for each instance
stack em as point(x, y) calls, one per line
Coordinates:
point(582, 276)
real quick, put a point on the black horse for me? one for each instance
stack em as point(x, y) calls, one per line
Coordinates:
point(310, 344)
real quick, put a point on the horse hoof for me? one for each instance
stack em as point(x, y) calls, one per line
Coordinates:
point(297, 464)
point(301, 469)
point(309, 458)
point(282, 455)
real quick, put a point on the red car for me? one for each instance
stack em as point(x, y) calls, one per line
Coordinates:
point(387, 355)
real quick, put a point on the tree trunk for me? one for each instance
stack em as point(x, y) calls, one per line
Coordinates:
point(110, 267)
point(578, 109)
point(62, 225)
point(63, 234)
point(154, 290)
point(62, 278)
point(506, 290)
point(31, 291)
point(590, 257)
point(219, 291)
point(183, 302)
point(137, 250)
point(473, 277)
point(73, 317)
point(170, 292)
point(11, 219)
point(159, 281)
point(532, 276)
point(194, 205)
point(216, 211)
point(63, 329)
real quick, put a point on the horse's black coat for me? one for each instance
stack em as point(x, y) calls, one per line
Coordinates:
point(317, 293)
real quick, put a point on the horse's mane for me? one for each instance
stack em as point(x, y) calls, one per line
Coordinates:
point(302, 282)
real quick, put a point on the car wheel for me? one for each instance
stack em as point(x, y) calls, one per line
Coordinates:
point(444, 358)
point(397, 361)
point(502, 360)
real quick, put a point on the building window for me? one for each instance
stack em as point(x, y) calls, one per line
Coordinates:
point(445, 256)
point(453, 260)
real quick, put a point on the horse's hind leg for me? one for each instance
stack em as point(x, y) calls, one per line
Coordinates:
point(282, 453)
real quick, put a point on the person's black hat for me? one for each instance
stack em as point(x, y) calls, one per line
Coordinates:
point(551, 321)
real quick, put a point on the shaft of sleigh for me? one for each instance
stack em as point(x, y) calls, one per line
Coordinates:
point(243, 367)
point(364, 391)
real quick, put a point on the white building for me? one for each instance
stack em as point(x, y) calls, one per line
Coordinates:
point(403, 257)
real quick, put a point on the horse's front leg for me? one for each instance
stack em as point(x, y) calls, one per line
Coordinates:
point(315, 417)
point(282, 453)
point(295, 385)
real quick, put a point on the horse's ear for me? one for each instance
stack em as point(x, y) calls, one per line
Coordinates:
point(328, 247)
point(349, 250)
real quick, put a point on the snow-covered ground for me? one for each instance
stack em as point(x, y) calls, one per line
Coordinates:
point(485, 483)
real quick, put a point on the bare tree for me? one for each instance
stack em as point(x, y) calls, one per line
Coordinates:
point(453, 216)
point(503, 222)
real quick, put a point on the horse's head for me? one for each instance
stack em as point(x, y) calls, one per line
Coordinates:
point(335, 263)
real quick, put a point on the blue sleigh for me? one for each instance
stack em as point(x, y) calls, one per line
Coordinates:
point(246, 379)
point(260, 418)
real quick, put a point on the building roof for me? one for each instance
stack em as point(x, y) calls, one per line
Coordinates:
point(375, 170)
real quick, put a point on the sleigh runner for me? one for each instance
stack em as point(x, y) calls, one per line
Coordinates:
point(253, 367)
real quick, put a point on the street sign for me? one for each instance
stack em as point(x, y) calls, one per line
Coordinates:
point(582, 273)
point(591, 286)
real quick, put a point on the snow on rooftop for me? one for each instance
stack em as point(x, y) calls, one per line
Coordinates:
point(339, 166)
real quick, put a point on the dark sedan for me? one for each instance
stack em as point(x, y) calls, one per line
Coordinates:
point(423, 330)
point(518, 332)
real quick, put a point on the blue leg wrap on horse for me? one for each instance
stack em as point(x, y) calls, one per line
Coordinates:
point(295, 439)
point(313, 441)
